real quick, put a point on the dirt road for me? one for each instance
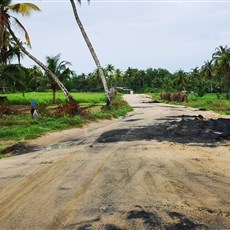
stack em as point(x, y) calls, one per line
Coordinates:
point(160, 167)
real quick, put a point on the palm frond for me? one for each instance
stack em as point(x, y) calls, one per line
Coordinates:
point(25, 31)
point(24, 8)
point(64, 63)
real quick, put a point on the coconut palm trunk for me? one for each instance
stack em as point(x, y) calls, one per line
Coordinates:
point(92, 51)
point(59, 83)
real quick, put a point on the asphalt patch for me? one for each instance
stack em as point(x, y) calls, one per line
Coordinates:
point(111, 227)
point(18, 149)
point(149, 218)
point(183, 223)
point(113, 136)
point(131, 120)
point(149, 102)
point(181, 129)
point(85, 227)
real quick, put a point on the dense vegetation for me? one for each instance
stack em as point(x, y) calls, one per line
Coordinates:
point(212, 77)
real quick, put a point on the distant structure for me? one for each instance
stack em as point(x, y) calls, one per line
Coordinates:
point(124, 90)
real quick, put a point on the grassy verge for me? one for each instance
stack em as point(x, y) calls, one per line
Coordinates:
point(22, 127)
point(209, 101)
point(4, 156)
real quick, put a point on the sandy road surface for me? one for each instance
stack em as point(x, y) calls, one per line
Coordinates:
point(161, 167)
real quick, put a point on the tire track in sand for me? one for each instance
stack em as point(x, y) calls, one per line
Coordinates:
point(14, 197)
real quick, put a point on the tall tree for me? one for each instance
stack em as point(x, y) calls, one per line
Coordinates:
point(6, 20)
point(110, 72)
point(207, 73)
point(37, 81)
point(222, 64)
point(92, 51)
point(60, 69)
point(118, 75)
point(207, 70)
point(181, 79)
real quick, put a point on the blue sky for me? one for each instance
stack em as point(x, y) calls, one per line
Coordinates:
point(140, 34)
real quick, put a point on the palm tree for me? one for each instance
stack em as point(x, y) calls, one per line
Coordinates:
point(219, 52)
point(92, 51)
point(222, 64)
point(5, 24)
point(36, 77)
point(60, 69)
point(207, 72)
point(181, 79)
point(118, 75)
point(110, 72)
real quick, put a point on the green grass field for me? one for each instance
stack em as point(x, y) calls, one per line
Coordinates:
point(209, 101)
point(19, 127)
point(212, 102)
point(46, 98)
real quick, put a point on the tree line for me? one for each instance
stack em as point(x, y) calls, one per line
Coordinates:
point(212, 77)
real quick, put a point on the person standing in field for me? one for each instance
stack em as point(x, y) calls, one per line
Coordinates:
point(33, 110)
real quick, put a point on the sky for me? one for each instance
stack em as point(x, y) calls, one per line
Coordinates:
point(126, 33)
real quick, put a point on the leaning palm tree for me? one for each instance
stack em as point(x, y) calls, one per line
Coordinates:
point(6, 21)
point(92, 51)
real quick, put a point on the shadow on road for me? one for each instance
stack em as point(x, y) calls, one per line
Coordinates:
point(180, 129)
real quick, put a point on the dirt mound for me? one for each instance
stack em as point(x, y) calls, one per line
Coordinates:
point(7, 110)
point(72, 109)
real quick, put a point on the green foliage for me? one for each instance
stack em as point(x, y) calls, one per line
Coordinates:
point(23, 127)
point(4, 155)
point(61, 71)
point(6, 8)
point(118, 108)
point(209, 101)
point(200, 91)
